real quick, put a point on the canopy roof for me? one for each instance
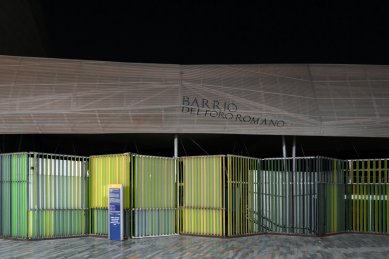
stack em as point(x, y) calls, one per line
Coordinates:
point(40, 95)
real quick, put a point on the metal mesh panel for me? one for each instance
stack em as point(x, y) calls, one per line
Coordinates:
point(72, 96)
point(51, 95)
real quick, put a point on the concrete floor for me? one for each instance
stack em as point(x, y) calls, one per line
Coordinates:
point(262, 246)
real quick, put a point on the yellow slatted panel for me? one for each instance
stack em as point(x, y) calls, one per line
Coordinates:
point(109, 169)
point(202, 206)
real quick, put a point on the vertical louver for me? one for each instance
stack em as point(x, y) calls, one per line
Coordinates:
point(43, 195)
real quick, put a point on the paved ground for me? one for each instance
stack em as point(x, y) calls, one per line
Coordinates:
point(262, 246)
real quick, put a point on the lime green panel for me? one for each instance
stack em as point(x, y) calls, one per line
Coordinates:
point(154, 196)
point(368, 196)
point(108, 169)
point(203, 197)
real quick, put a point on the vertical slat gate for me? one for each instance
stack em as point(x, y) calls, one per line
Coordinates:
point(14, 195)
point(203, 196)
point(32, 200)
point(240, 173)
point(153, 201)
point(301, 195)
point(57, 196)
point(104, 170)
point(367, 198)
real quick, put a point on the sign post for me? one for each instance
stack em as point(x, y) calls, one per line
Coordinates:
point(115, 211)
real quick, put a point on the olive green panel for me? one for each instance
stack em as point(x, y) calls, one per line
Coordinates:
point(203, 198)
point(367, 199)
point(153, 196)
point(242, 219)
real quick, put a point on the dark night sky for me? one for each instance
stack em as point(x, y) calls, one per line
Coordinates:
point(216, 32)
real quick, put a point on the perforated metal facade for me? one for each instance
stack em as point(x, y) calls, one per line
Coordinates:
point(72, 96)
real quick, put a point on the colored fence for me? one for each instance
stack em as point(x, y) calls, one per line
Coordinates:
point(149, 195)
point(332, 191)
point(218, 195)
point(301, 195)
point(43, 195)
point(288, 195)
point(104, 170)
point(14, 223)
point(241, 197)
point(367, 202)
point(49, 196)
point(203, 198)
point(248, 195)
point(154, 203)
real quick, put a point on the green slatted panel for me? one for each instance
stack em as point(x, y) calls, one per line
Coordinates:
point(58, 196)
point(203, 184)
point(46, 196)
point(6, 195)
point(14, 195)
point(108, 169)
point(287, 197)
point(19, 195)
point(56, 223)
point(154, 188)
point(104, 170)
point(36, 207)
point(241, 218)
point(367, 201)
point(255, 203)
point(334, 173)
point(99, 221)
point(302, 195)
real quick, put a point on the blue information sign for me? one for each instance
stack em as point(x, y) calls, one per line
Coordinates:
point(115, 212)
